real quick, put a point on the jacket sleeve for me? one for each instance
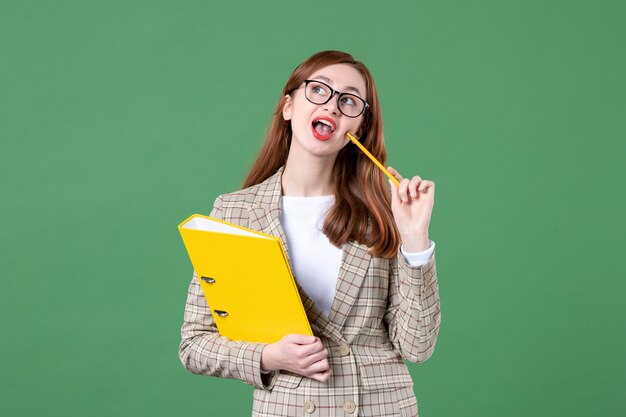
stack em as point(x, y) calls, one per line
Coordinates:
point(203, 351)
point(413, 313)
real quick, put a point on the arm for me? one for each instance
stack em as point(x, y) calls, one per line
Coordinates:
point(413, 313)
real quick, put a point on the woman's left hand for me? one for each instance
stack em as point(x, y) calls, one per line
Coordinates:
point(412, 205)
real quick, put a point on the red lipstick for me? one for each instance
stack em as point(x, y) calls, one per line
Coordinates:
point(323, 127)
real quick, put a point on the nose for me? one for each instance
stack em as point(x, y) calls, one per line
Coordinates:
point(332, 105)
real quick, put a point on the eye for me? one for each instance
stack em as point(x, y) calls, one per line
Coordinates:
point(319, 89)
point(349, 100)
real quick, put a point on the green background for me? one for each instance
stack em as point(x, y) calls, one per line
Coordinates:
point(119, 119)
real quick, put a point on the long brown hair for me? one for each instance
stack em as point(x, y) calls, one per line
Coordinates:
point(362, 209)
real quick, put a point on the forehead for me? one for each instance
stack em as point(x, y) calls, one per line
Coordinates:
point(340, 77)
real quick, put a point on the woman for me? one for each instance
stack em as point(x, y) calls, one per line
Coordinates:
point(359, 251)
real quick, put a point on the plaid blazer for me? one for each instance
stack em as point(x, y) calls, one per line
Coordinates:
point(384, 311)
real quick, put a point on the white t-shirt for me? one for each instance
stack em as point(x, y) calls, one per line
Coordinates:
point(316, 261)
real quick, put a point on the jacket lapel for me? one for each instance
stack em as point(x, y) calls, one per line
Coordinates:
point(266, 208)
point(354, 264)
point(265, 217)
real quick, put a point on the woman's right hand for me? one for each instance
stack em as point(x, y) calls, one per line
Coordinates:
point(298, 353)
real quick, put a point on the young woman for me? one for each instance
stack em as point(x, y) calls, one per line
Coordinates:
point(359, 250)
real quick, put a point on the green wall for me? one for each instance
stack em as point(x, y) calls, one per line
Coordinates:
point(118, 119)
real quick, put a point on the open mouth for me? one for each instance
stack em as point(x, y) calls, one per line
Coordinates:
point(323, 128)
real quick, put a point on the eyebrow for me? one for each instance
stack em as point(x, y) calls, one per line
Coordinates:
point(328, 80)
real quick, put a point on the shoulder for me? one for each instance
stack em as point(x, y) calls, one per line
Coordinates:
point(243, 198)
point(264, 195)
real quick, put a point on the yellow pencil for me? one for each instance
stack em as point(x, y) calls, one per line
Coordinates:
point(374, 160)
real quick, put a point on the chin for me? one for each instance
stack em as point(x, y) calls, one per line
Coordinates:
point(314, 146)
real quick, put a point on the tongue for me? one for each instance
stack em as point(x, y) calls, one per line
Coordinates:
point(322, 129)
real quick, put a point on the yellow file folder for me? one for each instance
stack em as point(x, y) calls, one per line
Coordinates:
point(246, 280)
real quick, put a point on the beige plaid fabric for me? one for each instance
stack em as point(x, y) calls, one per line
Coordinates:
point(384, 311)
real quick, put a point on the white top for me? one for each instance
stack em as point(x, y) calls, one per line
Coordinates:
point(316, 261)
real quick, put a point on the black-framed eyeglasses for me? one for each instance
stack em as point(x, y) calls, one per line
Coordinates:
point(350, 105)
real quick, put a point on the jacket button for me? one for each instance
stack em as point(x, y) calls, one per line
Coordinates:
point(344, 350)
point(309, 407)
point(349, 407)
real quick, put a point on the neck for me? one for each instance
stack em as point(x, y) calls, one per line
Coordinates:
point(307, 178)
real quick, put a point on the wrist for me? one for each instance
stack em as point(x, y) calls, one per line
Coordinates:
point(416, 243)
point(267, 359)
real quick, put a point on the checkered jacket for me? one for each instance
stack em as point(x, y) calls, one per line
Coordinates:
point(384, 311)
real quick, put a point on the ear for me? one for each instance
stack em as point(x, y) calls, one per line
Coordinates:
point(287, 107)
